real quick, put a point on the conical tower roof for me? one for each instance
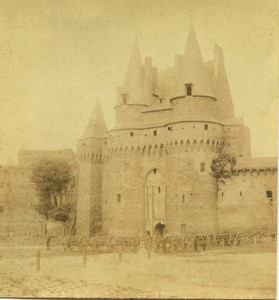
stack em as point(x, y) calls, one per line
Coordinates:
point(96, 126)
point(192, 70)
point(222, 87)
point(133, 83)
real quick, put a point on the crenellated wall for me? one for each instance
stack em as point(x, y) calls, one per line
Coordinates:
point(248, 201)
point(128, 160)
point(153, 167)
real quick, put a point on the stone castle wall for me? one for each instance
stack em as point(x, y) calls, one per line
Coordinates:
point(18, 195)
point(153, 167)
point(177, 152)
point(123, 161)
point(248, 201)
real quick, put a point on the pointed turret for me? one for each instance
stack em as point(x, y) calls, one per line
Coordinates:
point(192, 70)
point(133, 84)
point(96, 126)
point(222, 88)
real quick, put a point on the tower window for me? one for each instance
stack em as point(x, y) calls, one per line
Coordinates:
point(222, 194)
point(118, 198)
point(205, 126)
point(159, 189)
point(188, 88)
point(202, 168)
point(183, 198)
point(240, 193)
point(170, 128)
point(131, 133)
point(154, 171)
point(155, 132)
point(269, 194)
point(124, 99)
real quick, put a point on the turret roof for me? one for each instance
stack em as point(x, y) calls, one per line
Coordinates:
point(192, 70)
point(133, 83)
point(96, 126)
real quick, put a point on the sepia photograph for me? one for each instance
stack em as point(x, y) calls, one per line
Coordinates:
point(138, 149)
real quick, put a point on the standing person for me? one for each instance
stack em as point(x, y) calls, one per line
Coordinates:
point(196, 244)
point(48, 240)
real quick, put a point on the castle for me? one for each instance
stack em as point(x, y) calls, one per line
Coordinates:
point(152, 171)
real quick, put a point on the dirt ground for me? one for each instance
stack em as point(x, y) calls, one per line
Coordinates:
point(232, 272)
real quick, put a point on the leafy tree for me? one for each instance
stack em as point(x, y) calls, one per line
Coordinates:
point(222, 167)
point(51, 177)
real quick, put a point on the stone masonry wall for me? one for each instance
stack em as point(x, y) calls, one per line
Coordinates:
point(248, 201)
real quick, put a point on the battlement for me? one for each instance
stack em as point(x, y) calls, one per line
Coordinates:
point(153, 167)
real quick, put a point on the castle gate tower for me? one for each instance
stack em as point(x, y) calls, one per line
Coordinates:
point(155, 200)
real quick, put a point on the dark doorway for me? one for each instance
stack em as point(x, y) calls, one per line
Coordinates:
point(159, 229)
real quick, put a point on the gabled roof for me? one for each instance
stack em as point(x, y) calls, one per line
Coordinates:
point(192, 70)
point(96, 126)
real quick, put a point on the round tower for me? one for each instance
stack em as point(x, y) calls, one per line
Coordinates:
point(131, 97)
point(193, 94)
point(90, 156)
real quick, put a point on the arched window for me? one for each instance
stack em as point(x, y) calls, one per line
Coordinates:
point(188, 88)
point(124, 99)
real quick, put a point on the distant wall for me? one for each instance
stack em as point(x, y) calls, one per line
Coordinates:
point(18, 195)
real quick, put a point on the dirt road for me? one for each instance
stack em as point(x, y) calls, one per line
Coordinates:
point(234, 273)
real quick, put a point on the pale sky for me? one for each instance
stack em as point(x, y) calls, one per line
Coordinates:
point(56, 57)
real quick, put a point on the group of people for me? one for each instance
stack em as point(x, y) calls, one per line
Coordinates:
point(200, 243)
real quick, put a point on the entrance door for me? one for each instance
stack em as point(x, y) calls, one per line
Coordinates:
point(159, 229)
point(155, 199)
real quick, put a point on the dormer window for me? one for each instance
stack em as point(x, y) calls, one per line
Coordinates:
point(124, 99)
point(188, 88)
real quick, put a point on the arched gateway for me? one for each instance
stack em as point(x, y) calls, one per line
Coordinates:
point(155, 201)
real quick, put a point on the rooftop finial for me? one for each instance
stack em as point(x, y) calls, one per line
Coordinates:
point(96, 126)
point(191, 15)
